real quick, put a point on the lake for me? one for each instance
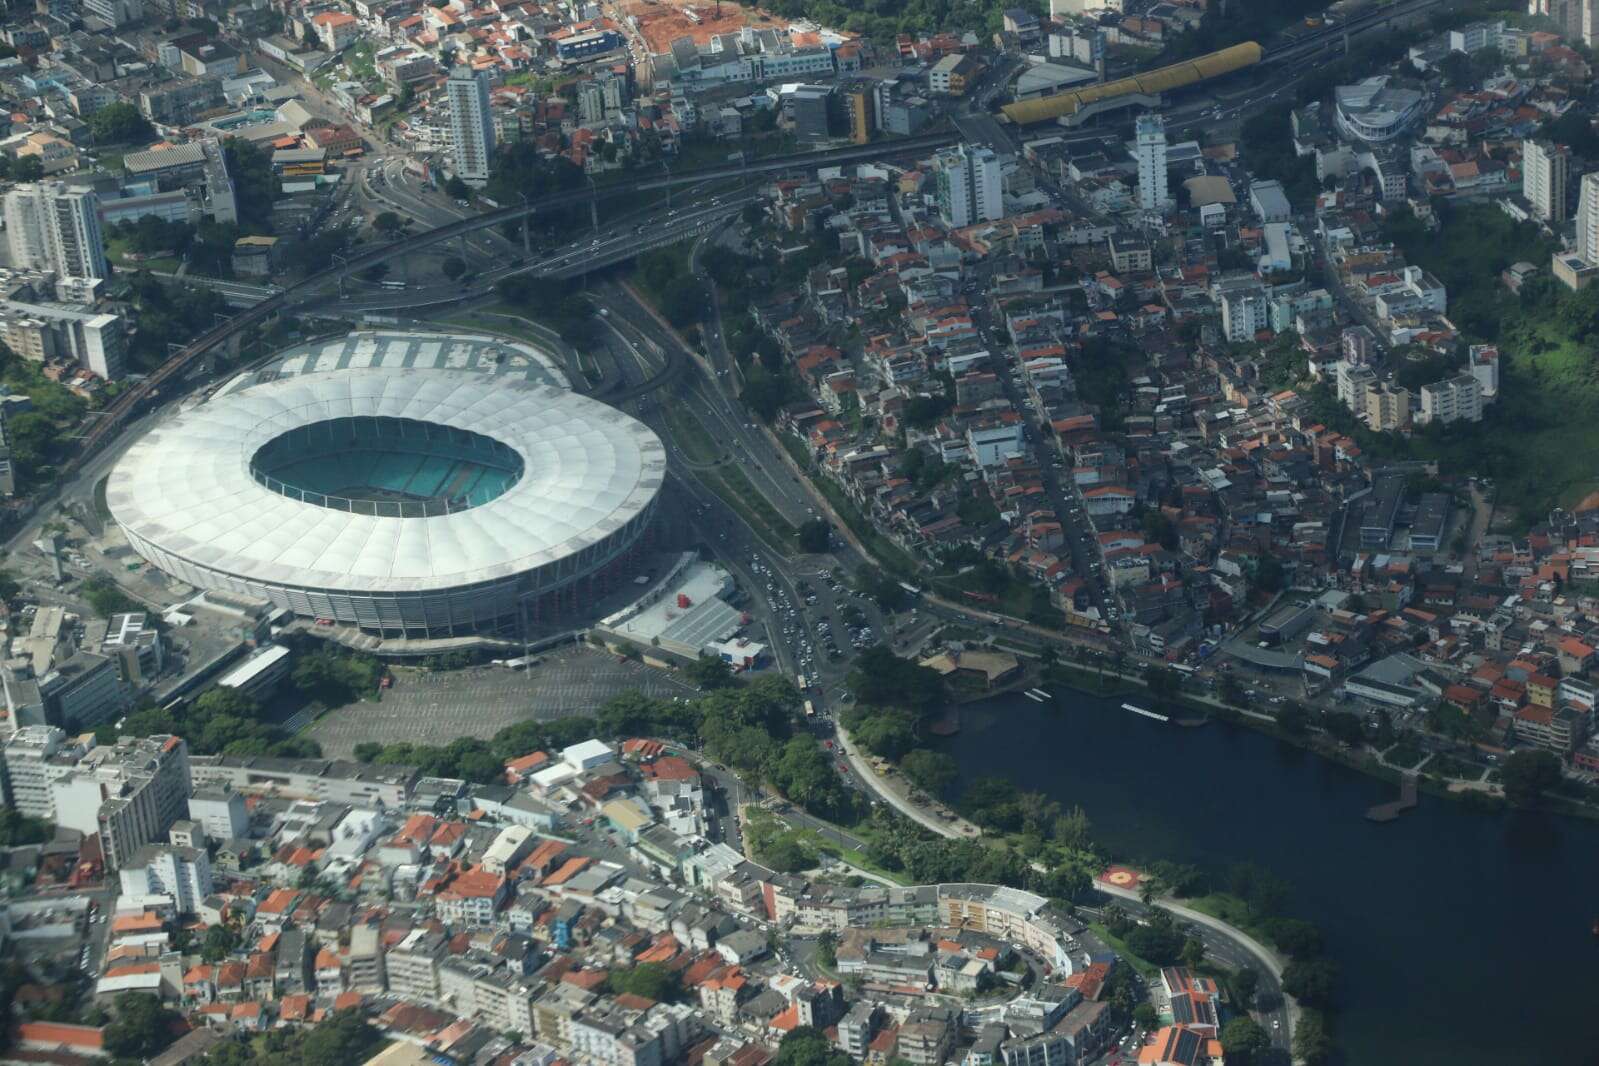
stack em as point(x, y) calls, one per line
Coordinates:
point(1434, 919)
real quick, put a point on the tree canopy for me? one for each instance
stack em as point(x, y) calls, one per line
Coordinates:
point(119, 123)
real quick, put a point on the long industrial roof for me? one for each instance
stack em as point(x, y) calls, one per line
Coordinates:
point(187, 487)
point(1176, 76)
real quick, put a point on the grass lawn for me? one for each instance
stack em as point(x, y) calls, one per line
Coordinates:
point(735, 489)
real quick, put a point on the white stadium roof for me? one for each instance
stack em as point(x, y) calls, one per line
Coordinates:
point(187, 486)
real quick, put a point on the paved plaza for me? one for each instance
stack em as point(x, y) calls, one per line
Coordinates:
point(435, 708)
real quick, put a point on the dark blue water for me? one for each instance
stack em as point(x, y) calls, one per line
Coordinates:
point(1463, 937)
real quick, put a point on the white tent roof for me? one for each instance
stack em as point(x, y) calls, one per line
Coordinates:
point(186, 486)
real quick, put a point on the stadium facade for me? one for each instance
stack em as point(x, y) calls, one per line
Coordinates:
point(411, 503)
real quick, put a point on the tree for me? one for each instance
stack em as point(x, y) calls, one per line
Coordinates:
point(1312, 1043)
point(1297, 939)
point(1243, 1040)
point(1343, 726)
point(1311, 981)
point(388, 223)
point(806, 1046)
point(119, 123)
point(889, 733)
point(1162, 682)
point(1528, 774)
point(709, 672)
point(143, 1027)
point(27, 168)
point(107, 598)
point(8, 586)
point(452, 267)
point(1144, 1016)
point(17, 828)
point(456, 189)
point(1193, 953)
point(1244, 983)
point(827, 949)
point(341, 1040)
point(815, 536)
point(219, 943)
point(933, 771)
point(1293, 720)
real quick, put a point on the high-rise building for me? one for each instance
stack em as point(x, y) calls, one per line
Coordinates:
point(1588, 219)
point(471, 125)
point(1543, 178)
point(1150, 151)
point(130, 793)
point(34, 757)
point(970, 185)
point(52, 227)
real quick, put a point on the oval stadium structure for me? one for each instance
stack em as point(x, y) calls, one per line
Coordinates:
point(414, 503)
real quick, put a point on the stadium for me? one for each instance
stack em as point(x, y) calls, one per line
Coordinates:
point(412, 503)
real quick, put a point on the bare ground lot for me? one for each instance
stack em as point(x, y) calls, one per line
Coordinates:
point(436, 708)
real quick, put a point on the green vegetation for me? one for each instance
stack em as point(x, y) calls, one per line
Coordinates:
point(220, 721)
point(107, 597)
point(341, 1040)
point(733, 486)
point(751, 728)
point(665, 276)
point(1269, 150)
point(255, 187)
point(690, 434)
point(334, 678)
point(882, 21)
point(38, 438)
point(142, 1027)
point(806, 1046)
point(17, 828)
point(648, 979)
point(777, 846)
point(1528, 775)
point(815, 536)
point(169, 315)
point(120, 123)
point(560, 305)
point(480, 761)
point(1244, 1041)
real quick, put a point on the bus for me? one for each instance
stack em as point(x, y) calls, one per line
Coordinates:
point(910, 589)
point(394, 286)
point(810, 709)
point(799, 682)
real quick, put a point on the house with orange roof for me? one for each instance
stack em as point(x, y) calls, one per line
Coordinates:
point(260, 977)
point(199, 985)
point(471, 897)
point(519, 769)
point(295, 1008)
point(60, 1038)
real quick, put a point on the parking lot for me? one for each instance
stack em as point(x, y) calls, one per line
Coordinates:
point(435, 708)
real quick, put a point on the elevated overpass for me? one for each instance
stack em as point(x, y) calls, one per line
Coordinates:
point(111, 420)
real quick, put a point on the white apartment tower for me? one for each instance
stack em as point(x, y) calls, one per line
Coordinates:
point(50, 226)
point(1543, 179)
point(1150, 151)
point(970, 185)
point(471, 125)
point(1588, 219)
